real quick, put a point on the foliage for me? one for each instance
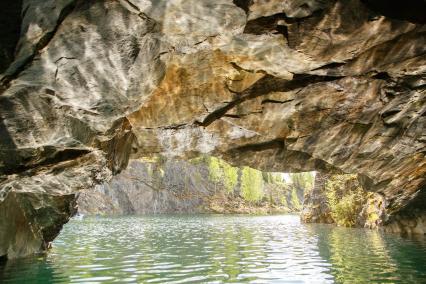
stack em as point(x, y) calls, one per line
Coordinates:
point(220, 171)
point(267, 177)
point(283, 201)
point(199, 160)
point(215, 173)
point(295, 199)
point(230, 176)
point(273, 178)
point(372, 209)
point(345, 199)
point(303, 181)
point(277, 178)
point(251, 184)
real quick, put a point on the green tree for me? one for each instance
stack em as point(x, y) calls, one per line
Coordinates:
point(251, 184)
point(230, 176)
point(303, 180)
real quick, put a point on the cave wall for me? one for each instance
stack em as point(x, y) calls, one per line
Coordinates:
point(315, 205)
point(336, 86)
point(340, 199)
point(297, 90)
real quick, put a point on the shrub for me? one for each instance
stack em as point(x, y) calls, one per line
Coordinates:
point(345, 198)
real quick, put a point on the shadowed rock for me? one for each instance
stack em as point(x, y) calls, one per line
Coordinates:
point(335, 86)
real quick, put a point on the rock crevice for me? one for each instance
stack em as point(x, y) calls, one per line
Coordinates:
point(335, 86)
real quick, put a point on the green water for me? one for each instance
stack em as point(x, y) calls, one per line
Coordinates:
point(217, 249)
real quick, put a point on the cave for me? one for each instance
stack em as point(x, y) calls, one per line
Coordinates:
point(336, 87)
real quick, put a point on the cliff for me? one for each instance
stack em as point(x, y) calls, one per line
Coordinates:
point(340, 199)
point(202, 185)
point(291, 86)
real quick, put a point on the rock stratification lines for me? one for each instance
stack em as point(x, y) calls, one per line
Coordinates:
point(334, 86)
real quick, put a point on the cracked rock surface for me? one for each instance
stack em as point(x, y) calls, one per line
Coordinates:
point(297, 85)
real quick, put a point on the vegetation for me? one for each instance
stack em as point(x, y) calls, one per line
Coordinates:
point(295, 199)
point(220, 171)
point(283, 201)
point(345, 199)
point(251, 184)
point(303, 180)
point(269, 177)
point(230, 175)
point(215, 173)
point(372, 209)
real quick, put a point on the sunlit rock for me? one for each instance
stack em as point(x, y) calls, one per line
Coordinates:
point(201, 185)
point(333, 86)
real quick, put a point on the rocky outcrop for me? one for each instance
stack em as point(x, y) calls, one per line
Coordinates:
point(410, 220)
point(299, 85)
point(203, 185)
point(315, 205)
point(407, 224)
point(340, 199)
point(288, 94)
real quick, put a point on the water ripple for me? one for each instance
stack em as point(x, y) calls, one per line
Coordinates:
point(219, 249)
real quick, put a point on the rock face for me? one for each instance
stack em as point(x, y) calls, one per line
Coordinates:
point(411, 219)
point(203, 185)
point(340, 199)
point(315, 205)
point(407, 224)
point(298, 85)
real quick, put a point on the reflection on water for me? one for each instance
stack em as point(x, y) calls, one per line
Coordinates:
point(216, 249)
point(366, 256)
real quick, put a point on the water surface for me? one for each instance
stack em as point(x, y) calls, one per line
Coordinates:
point(218, 249)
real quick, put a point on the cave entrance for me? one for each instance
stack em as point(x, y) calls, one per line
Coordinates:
point(204, 184)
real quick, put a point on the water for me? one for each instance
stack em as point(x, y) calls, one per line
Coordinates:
point(217, 249)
